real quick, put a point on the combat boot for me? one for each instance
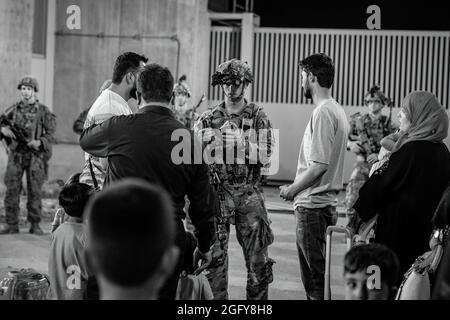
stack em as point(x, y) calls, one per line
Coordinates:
point(9, 229)
point(36, 229)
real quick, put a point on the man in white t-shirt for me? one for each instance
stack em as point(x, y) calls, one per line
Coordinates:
point(319, 175)
point(111, 102)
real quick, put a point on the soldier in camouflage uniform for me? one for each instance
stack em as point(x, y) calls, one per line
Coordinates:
point(28, 130)
point(181, 95)
point(241, 201)
point(366, 132)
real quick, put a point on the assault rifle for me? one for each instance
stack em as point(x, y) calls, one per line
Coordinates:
point(389, 119)
point(191, 116)
point(20, 133)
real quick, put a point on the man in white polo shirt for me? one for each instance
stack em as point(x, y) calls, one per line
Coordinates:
point(319, 172)
point(111, 102)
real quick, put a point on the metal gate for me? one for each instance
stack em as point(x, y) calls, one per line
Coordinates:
point(399, 61)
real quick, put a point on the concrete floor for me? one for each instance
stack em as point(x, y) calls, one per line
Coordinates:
point(29, 251)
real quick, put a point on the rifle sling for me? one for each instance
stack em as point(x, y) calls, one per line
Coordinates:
point(94, 179)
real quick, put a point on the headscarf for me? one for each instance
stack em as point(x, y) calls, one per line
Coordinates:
point(429, 120)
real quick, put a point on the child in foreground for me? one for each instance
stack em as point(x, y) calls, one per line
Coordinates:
point(68, 270)
point(370, 272)
point(190, 285)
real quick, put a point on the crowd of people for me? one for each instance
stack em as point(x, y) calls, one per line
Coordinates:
point(155, 170)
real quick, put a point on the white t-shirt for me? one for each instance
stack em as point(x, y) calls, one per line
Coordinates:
point(107, 105)
point(324, 141)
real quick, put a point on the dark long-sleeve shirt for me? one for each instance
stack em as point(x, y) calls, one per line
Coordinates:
point(441, 217)
point(140, 145)
point(405, 196)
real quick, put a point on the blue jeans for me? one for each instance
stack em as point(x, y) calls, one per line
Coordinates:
point(312, 225)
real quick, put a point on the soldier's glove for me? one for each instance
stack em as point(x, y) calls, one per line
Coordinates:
point(35, 144)
point(205, 135)
point(233, 137)
point(7, 132)
point(204, 258)
point(355, 146)
point(373, 158)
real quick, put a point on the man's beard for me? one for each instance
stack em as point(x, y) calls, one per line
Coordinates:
point(133, 93)
point(307, 91)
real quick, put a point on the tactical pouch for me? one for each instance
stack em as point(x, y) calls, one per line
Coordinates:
point(266, 236)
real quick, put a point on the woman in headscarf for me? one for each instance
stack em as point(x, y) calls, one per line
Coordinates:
point(406, 191)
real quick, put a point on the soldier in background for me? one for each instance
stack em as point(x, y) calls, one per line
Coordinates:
point(366, 132)
point(184, 112)
point(226, 127)
point(28, 128)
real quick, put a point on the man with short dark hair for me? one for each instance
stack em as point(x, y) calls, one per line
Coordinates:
point(319, 172)
point(141, 145)
point(131, 260)
point(112, 101)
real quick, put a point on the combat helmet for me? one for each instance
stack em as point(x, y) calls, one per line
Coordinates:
point(29, 81)
point(181, 88)
point(233, 70)
point(375, 91)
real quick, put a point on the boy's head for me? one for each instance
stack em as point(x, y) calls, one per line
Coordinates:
point(74, 196)
point(370, 272)
point(131, 239)
point(74, 178)
point(191, 244)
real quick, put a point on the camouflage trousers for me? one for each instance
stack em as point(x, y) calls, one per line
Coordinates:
point(249, 214)
point(359, 177)
point(34, 168)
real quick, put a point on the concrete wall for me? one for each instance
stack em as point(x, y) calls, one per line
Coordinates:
point(16, 31)
point(83, 63)
point(16, 23)
point(291, 121)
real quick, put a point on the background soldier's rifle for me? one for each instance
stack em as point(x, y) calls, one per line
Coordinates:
point(389, 120)
point(20, 133)
point(203, 98)
point(192, 113)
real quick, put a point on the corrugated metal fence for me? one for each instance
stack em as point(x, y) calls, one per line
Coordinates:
point(400, 61)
